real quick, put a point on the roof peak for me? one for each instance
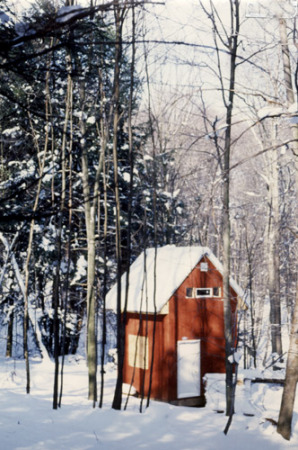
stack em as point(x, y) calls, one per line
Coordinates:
point(157, 273)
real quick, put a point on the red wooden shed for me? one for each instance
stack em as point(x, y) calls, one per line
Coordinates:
point(175, 313)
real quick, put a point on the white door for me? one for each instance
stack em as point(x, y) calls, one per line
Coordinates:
point(189, 376)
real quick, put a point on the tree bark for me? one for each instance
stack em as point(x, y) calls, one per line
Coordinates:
point(273, 249)
point(120, 322)
point(287, 405)
point(288, 398)
point(104, 130)
point(91, 308)
point(91, 195)
point(233, 44)
point(9, 340)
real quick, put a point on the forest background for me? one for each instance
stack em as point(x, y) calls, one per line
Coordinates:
point(114, 126)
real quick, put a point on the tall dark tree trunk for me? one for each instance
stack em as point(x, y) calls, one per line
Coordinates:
point(104, 288)
point(228, 93)
point(9, 339)
point(104, 133)
point(154, 182)
point(120, 320)
point(56, 295)
point(229, 103)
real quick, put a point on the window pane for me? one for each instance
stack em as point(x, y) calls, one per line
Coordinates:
point(189, 292)
point(202, 292)
point(216, 291)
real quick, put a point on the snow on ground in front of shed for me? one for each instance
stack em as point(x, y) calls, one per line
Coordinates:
point(28, 422)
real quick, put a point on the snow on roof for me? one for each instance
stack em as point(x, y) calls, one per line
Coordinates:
point(173, 265)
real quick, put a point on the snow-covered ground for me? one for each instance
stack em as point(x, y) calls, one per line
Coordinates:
point(29, 422)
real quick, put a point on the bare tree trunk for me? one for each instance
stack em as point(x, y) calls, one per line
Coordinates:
point(290, 93)
point(91, 195)
point(9, 339)
point(57, 295)
point(56, 325)
point(252, 301)
point(120, 323)
point(66, 284)
point(151, 127)
point(273, 250)
point(227, 93)
point(104, 324)
point(104, 132)
point(90, 207)
point(31, 233)
point(233, 44)
point(288, 398)
point(91, 308)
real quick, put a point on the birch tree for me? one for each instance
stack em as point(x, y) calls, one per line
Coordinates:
point(230, 43)
point(288, 398)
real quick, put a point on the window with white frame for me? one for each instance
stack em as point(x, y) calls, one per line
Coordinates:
point(216, 292)
point(203, 292)
point(190, 292)
point(204, 267)
point(208, 292)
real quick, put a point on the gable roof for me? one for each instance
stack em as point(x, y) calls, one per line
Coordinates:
point(173, 265)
